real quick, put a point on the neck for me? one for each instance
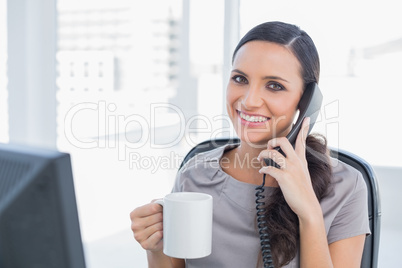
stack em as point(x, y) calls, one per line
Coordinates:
point(251, 150)
point(243, 165)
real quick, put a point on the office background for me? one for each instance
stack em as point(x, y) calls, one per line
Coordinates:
point(128, 87)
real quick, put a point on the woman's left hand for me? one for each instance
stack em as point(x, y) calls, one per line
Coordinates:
point(293, 176)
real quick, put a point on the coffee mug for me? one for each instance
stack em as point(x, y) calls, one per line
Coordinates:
point(187, 224)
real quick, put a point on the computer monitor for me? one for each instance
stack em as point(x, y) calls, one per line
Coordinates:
point(39, 224)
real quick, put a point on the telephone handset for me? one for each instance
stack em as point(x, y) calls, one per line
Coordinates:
point(309, 106)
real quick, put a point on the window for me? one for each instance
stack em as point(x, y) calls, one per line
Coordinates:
point(3, 74)
point(360, 52)
point(131, 80)
point(114, 61)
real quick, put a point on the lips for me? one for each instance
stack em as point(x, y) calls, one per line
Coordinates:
point(252, 118)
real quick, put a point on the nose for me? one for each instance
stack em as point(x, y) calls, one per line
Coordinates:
point(252, 98)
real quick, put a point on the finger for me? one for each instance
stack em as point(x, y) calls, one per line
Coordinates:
point(139, 224)
point(272, 171)
point(301, 138)
point(274, 155)
point(153, 241)
point(143, 228)
point(268, 153)
point(283, 143)
point(156, 240)
point(144, 233)
point(146, 210)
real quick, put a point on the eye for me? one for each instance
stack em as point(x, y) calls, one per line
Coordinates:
point(239, 79)
point(275, 86)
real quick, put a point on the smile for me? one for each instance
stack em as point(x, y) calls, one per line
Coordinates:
point(252, 118)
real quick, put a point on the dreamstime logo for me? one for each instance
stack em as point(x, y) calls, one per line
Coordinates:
point(129, 132)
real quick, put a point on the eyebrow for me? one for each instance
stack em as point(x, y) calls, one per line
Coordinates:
point(265, 77)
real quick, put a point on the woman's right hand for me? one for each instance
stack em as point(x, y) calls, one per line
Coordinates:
point(147, 226)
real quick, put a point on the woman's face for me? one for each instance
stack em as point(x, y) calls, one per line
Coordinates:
point(263, 92)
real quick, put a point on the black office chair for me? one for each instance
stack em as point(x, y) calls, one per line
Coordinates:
point(371, 247)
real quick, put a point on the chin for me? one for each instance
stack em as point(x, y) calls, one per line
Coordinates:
point(254, 140)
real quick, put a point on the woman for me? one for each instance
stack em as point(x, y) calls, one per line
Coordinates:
point(316, 207)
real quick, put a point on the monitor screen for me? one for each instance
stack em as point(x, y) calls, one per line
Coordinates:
point(39, 224)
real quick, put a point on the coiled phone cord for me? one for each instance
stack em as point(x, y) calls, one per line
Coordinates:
point(262, 228)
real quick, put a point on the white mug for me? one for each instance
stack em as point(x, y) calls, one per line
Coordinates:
point(187, 224)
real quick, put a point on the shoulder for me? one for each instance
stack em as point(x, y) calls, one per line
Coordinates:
point(202, 159)
point(347, 192)
point(345, 205)
point(202, 170)
point(346, 178)
point(207, 159)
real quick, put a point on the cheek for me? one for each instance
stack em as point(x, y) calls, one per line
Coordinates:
point(231, 99)
point(284, 107)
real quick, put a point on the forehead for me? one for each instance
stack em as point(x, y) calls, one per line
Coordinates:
point(263, 56)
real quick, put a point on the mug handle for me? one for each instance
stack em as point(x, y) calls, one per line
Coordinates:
point(160, 201)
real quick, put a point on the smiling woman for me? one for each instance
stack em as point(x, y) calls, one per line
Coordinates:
point(316, 211)
point(177, 42)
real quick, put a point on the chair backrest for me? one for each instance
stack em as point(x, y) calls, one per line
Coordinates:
point(371, 246)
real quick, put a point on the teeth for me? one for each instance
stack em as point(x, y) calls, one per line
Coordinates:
point(253, 118)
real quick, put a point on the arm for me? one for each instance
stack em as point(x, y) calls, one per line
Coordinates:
point(294, 180)
point(314, 251)
point(156, 259)
point(295, 184)
point(348, 252)
point(345, 253)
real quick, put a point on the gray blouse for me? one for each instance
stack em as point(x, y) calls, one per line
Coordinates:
point(235, 241)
